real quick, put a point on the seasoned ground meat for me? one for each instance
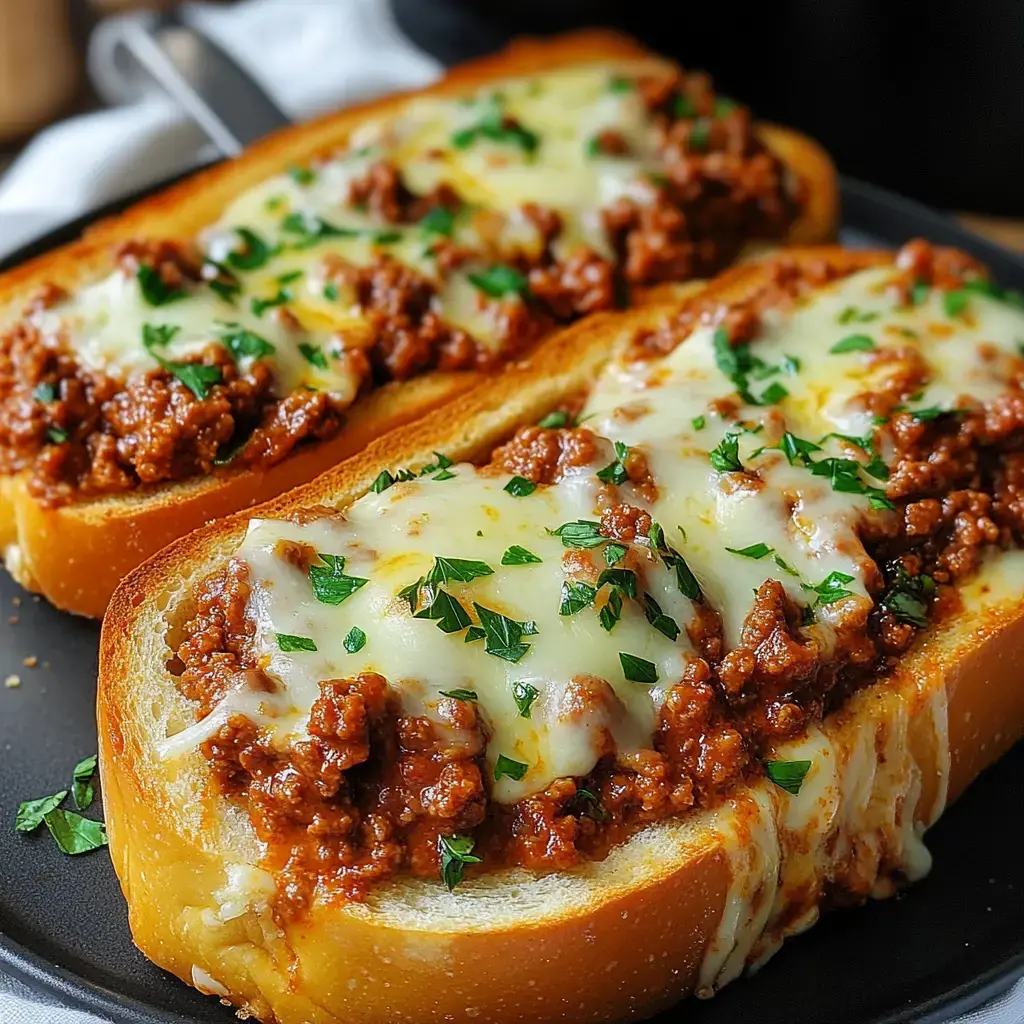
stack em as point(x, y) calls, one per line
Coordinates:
point(84, 433)
point(544, 455)
point(372, 791)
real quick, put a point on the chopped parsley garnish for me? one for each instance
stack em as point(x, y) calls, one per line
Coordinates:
point(955, 302)
point(281, 298)
point(699, 137)
point(588, 804)
point(554, 420)
point(313, 355)
point(683, 107)
point(460, 694)
point(575, 597)
point(288, 643)
point(929, 414)
point(74, 834)
point(329, 582)
point(500, 280)
point(753, 551)
point(309, 229)
point(853, 315)
point(739, 364)
point(725, 456)
point(620, 84)
point(438, 221)
point(253, 254)
point(442, 464)
point(614, 553)
point(724, 105)
point(496, 127)
point(592, 147)
point(44, 393)
point(787, 775)
point(853, 343)
point(909, 598)
point(615, 472)
point(773, 394)
point(686, 582)
point(784, 565)
point(330, 291)
point(82, 787)
point(919, 292)
point(658, 619)
point(524, 695)
point(301, 175)
point(221, 280)
point(461, 570)
point(638, 670)
point(456, 852)
point(624, 579)
point(56, 435)
point(473, 634)
point(197, 377)
point(154, 289)
point(831, 587)
point(445, 610)
point(31, 813)
point(699, 422)
point(355, 640)
point(507, 766)
point(504, 635)
point(983, 286)
point(385, 479)
point(611, 610)
point(242, 343)
point(520, 487)
point(517, 555)
point(582, 534)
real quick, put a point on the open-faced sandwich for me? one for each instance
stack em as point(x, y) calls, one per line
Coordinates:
point(583, 693)
point(238, 334)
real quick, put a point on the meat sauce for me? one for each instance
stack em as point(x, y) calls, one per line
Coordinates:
point(81, 432)
point(371, 791)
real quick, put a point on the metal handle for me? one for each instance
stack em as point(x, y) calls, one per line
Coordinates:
point(222, 98)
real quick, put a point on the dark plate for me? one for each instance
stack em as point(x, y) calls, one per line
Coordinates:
point(942, 948)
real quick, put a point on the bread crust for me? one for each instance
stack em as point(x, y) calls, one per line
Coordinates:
point(75, 555)
point(620, 939)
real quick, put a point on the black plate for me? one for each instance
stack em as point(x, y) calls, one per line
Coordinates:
point(942, 948)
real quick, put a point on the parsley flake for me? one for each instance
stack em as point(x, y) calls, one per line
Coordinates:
point(520, 487)
point(524, 695)
point(575, 597)
point(500, 280)
point(460, 694)
point(288, 643)
point(787, 775)
point(459, 570)
point(517, 555)
point(355, 640)
point(658, 619)
point(753, 551)
point(154, 289)
point(456, 852)
point(504, 635)
point(853, 343)
point(638, 670)
point(507, 766)
point(725, 456)
point(330, 583)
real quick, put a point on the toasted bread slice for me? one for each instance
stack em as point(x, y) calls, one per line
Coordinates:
point(74, 555)
point(680, 907)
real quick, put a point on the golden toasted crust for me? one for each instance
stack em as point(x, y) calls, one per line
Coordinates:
point(615, 940)
point(75, 555)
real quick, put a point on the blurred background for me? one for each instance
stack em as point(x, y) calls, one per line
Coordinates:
point(923, 97)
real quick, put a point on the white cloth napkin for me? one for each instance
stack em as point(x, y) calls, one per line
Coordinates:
point(311, 56)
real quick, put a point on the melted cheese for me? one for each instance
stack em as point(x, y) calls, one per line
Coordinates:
point(585, 705)
point(103, 322)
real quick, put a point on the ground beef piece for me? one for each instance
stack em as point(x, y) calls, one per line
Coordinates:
point(543, 834)
point(548, 222)
point(214, 653)
point(381, 191)
point(695, 737)
point(300, 416)
point(581, 284)
point(1008, 491)
point(625, 523)
point(411, 337)
point(942, 267)
point(544, 455)
point(175, 263)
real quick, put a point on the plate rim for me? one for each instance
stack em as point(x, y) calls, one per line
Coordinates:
point(866, 207)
